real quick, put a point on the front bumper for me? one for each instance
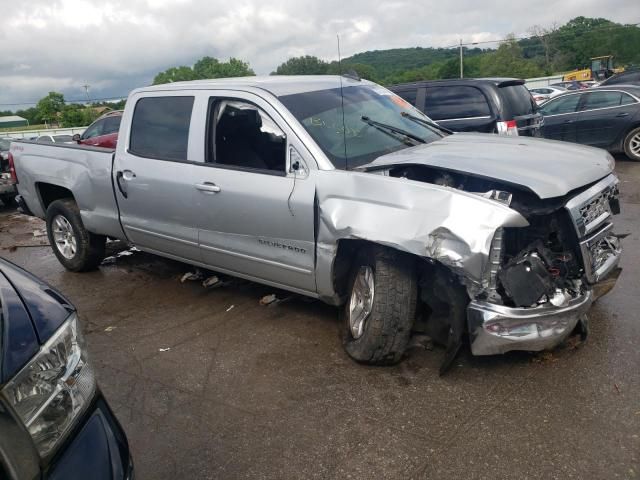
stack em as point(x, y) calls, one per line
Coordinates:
point(495, 329)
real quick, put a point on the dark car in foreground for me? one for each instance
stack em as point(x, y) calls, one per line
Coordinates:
point(54, 422)
point(490, 105)
point(604, 117)
point(103, 132)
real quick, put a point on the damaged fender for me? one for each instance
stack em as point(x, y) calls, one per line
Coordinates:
point(440, 223)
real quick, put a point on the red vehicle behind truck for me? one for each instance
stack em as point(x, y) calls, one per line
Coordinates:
point(103, 132)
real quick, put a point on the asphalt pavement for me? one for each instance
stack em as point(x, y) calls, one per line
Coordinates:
point(209, 383)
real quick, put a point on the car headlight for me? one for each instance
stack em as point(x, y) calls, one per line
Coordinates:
point(54, 388)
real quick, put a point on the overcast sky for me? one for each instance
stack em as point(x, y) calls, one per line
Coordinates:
point(117, 45)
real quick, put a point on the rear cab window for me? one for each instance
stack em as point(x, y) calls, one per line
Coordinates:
point(517, 101)
point(455, 102)
point(160, 127)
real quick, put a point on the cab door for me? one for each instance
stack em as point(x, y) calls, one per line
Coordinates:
point(153, 176)
point(255, 193)
point(560, 116)
point(604, 116)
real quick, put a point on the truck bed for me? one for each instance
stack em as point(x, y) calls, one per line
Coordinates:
point(81, 169)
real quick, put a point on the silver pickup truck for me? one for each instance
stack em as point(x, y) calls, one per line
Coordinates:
point(338, 189)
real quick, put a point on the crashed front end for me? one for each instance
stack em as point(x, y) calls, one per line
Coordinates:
point(540, 280)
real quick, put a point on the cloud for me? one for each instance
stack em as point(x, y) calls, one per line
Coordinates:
point(117, 45)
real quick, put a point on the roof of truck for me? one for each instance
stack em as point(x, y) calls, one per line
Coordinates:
point(278, 85)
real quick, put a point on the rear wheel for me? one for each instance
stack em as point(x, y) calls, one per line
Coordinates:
point(381, 308)
point(632, 144)
point(77, 249)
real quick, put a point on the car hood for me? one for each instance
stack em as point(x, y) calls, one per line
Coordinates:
point(546, 167)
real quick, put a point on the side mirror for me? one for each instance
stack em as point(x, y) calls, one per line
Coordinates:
point(76, 137)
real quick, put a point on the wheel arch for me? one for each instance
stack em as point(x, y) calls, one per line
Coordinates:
point(50, 192)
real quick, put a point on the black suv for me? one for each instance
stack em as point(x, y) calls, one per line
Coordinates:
point(491, 105)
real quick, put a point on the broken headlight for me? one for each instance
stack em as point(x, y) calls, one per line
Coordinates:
point(54, 388)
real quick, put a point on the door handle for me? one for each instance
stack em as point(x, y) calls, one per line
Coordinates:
point(128, 175)
point(119, 175)
point(568, 121)
point(622, 114)
point(208, 187)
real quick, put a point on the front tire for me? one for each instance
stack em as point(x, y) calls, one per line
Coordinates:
point(632, 145)
point(381, 308)
point(76, 249)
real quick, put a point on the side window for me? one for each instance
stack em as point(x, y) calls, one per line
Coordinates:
point(408, 95)
point(560, 105)
point(111, 125)
point(243, 135)
point(602, 100)
point(94, 130)
point(45, 139)
point(627, 99)
point(443, 103)
point(160, 127)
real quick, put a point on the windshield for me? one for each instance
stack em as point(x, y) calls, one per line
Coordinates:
point(4, 144)
point(356, 140)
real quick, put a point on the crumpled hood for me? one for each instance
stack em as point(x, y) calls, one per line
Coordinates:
point(546, 167)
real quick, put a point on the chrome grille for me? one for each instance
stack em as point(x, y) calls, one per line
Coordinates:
point(591, 214)
point(592, 208)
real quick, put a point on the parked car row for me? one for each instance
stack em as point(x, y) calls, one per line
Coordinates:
point(606, 116)
point(490, 105)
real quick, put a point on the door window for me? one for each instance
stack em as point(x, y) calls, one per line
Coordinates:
point(94, 130)
point(243, 135)
point(602, 100)
point(444, 103)
point(560, 105)
point(111, 125)
point(627, 99)
point(160, 127)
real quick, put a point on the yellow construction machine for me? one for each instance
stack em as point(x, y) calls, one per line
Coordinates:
point(601, 68)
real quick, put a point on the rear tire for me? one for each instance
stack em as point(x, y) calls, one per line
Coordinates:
point(382, 337)
point(632, 145)
point(77, 249)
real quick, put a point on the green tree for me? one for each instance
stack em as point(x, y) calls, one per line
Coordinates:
point(206, 67)
point(305, 65)
point(50, 106)
point(508, 61)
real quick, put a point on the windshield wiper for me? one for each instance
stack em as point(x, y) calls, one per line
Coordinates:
point(425, 122)
point(391, 128)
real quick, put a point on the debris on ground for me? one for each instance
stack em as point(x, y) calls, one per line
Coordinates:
point(108, 261)
point(268, 299)
point(230, 308)
point(109, 329)
point(192, 276)
point(124, 253)
point(615, 385)
point(164, 349)
point(543, 358)
point(272, 300)
point(421, 341)
point(212, 281)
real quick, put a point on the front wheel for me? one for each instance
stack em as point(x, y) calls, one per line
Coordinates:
point(381, 308)
point(632, 144)
point(77, 249)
